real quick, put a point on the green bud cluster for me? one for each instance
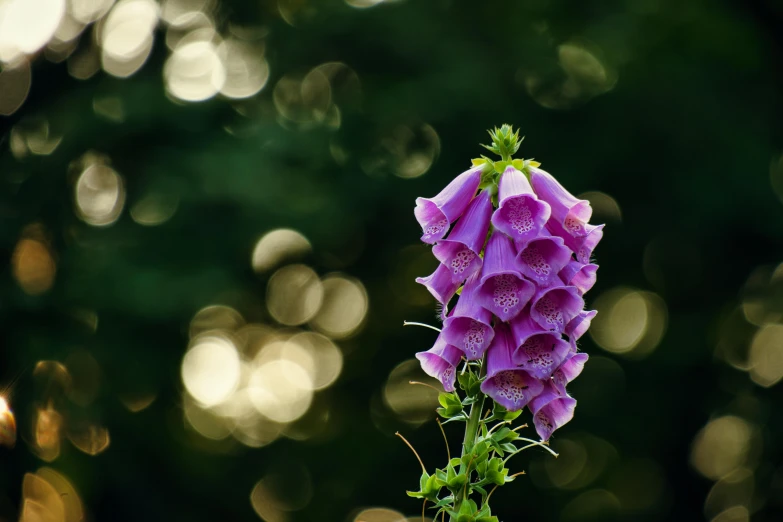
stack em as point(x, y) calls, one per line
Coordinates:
point(505, 143)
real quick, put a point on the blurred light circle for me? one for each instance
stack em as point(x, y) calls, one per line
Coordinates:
point(344, 307)
point(216, 317)
point(74, 509)
point(281, 492)
point(100, 195)
point(294, 294)
point(126, 66)
point(766, 355)
point(15, 85)
point(276, 246)
point(303, 99)
point(327, 359)
point(87, 11)
point(127, 32)
point(33, 266)
point(206, 422)
point(155, 208)
point(281, 390)
point(211, 369)
point(194, 71)
point(27, 25)
point(175, 12)
point(629, 321)
point(411, 402)
point(363, 4)
point(721, 446)
point(246, 69)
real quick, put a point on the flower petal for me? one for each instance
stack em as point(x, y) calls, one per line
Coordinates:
point(503, 290)
point(570, 212)
point(521, 215)
point(553, 308)
point(581, 276)
point(541, 354)
point(440, 284)
point(469, 325)
point(568, 371)
point(577, 327)
point(460, 252)
point(508, 385)
point(581, 246)
point(437, 213)
point(441, 362)
point(542, 258)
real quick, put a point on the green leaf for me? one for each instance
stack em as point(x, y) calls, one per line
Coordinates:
point(445, 501)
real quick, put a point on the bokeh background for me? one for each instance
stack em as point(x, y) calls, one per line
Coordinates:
point(208, 251)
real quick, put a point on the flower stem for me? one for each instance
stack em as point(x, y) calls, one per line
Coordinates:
point(471, 432)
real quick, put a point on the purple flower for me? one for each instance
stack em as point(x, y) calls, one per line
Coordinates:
point(568, 371)
point(577, 327)
point(570, 212)
point(551, 410)
point(581, 276)
point(441, 362)
point(503, 290)
point(540, 353)
point(521, 215)
point(509, 385)
point(460, 252)
point(440, 284)
point(437, 213)
point(581, 246)
point(469, 325)
point(553, 308)
point(542, 258)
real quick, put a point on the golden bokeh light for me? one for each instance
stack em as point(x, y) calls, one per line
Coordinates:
point(605, 207)
point(72, 503)
point(735, 489)
point(412, 403)
point(41, 500)
point(15, 85)
point(47, 429)
point(303, 99)
point(279, 245)
point(211, 369)
point(154, 208)
point(281, 390)
point(92, 439)
point(379, 514)
point(766, 355)
point(247, 71)
point(407, 151)
point(282, 492)
point(100, 195)
point(326, 357)
point(7, 424)
point(87, 11)
point(33, 135)
point(52, 378)
point(215, 317)
point(27, 25)
point(109, 107)
point(733, 514)
point(32, 262)
point(344, 307)
point(588, 458)
point(294, 294)
point(126, 36)
point(364, 4)
point(629, 322)
point(194, 71)
point(721, 446)
point(179, 12)
point(206, 422)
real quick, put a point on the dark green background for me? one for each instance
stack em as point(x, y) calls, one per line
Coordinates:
point(683, 141)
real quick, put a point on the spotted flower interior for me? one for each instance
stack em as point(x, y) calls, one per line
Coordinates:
point(515, 260)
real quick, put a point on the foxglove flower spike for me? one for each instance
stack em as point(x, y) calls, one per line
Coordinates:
point(437, 213)
point(570, 212)
point(441, 362)
point(507, 384)
point(521, 215)
point(468, 327)
point(503, 290)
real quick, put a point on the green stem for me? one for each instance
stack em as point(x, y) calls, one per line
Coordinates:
point(471, 431)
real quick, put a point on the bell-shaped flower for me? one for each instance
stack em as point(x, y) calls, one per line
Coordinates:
point(542, 258)
point(551, 410)
point(570, 212)
point(540, 353)
point(503, 290)
point(577, 327)
point(521, 215)
point(440, 284)
point(437, 213)
point(469, 325)
point(581, 246)
point(508, 385)
point(460, 251)
point(553, 308)
point(568, 371)
point(441, 362)
point(581, 276)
